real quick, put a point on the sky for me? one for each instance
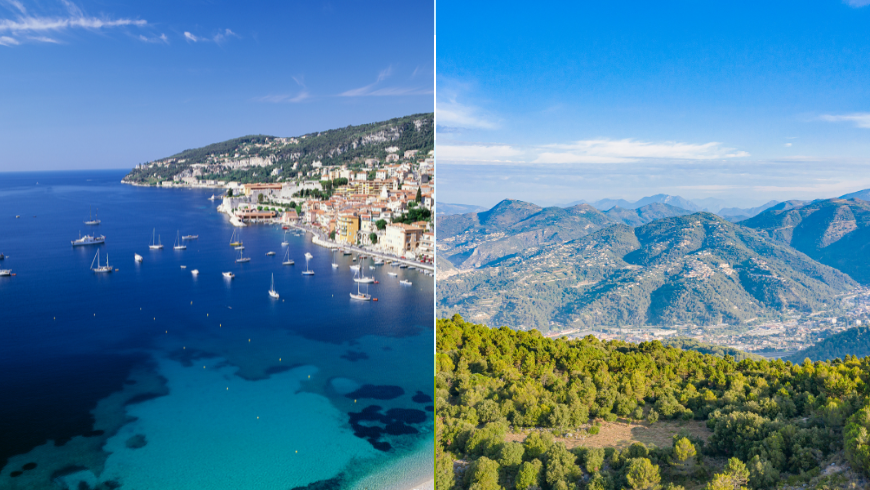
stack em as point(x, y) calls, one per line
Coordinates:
point(88, 84)
point(739, 102)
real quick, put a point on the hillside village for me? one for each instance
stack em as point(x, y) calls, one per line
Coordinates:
point(368, 186)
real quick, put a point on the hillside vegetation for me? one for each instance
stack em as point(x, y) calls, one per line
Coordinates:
point(503, 397)
point(855, 341)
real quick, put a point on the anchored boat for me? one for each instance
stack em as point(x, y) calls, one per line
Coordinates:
point(88, 240)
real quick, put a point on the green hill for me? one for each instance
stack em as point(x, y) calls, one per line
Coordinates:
point(645, 214)
point(349, 145)
point(836, 232)
point(696, 269)
point(515, 410)
point(855, 342)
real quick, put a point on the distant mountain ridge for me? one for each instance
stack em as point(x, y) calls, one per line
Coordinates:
point(712, 205)
point(855, 342)
point(595, 270)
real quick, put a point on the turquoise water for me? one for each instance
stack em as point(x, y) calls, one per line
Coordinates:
point(151, 378)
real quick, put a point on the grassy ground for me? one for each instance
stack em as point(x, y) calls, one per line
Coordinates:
point(621, 435)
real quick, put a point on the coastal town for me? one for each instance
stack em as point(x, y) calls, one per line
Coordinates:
point(375, 205)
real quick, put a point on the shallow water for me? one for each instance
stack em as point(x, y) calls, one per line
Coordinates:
point(152, 378)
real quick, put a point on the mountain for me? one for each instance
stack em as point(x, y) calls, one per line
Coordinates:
point(477, 239)
point(855, 342)
point(676, 201)
point(605, 204)
point(445, 209)
point(745, 213)
point(644, 214)
point(262, 158)
point(835, 232)
point(695, 269)
point(863, 195)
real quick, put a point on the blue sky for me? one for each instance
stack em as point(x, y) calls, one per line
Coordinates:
point(739, 101)
point(93, 84)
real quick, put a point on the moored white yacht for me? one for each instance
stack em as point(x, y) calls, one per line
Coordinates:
point(155, 245)
point(272, 291)
point(242, 258)
point(287, 259)
point(307, 271)
point(229, 275)
point(178, 243)
point(101, 268)
point(137, 257)
point(88, 240)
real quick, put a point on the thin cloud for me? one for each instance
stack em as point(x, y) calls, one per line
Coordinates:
point(221, 37)
point(452, 113)
point(39, 24)
point(191, 37)
point(278, 99)
point(45, 39)
point(629, 150)
point(15, 4)
point(476, 153)
point(859, 119)
point(857, 3)
point(372, 90)
point(156, 39)
point(8, 41)
point(217, 38)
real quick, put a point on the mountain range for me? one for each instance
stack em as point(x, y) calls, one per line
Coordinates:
point(522, 265)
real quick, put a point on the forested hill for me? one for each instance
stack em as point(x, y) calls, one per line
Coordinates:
point(292, 156)
point(519, 411)
point(855, 341)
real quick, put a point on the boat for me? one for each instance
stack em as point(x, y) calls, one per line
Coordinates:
point(403, 266)
point(184, 267)
point(155, 245)
point(212, 198)
point(235, 242)
point(229, 275)
point(195, 272)
point(285, 227)
point(88, 240)
point(240, 247)
point(360, 296)
point(190, 237)
point(287, 259)
point(270, 253)
point(354, 267)
point(285, 242)
point(101, 268)
point(307, 271)
point(372, 267)
point(5, 272)
point(91, 220)
point(334, 265)
point(361, 278)
point(2, 256)
point(272, 291)
point(346, 252)
point(378, 262)
point(242, 258)
point(137, 257)
point(392, 274)
point(178, 244)
point(405, 282)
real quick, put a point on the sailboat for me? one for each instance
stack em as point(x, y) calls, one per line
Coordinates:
point(285, 242)
point(236, 242)
point(272, 291)
point(307, 271)
point(137, 257)
point(287, 259)
point(361, 278)
point(155, 245)
point(242, 259)
point(101, 268)
point(212, 198)
point(334, 265)
point(91, 220)
point(360, 295)
point(178, 244)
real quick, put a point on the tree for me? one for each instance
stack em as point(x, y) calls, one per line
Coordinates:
point(593, 459)
point(373, 237)
point(642, 474)
point(536, 444)
point(229, 193)
point(259, 198)
point(734, 477)
point(381, 224)
point(332, 235)
point(483, 475)
point(511, 454)
point(419, 197)
point(529, 474)
point(444, 476)
point(652, 417)
point(684, 455)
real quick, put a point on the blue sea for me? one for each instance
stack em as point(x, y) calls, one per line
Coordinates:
point(152, 378)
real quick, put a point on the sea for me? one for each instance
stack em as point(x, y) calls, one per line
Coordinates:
point(151, 377)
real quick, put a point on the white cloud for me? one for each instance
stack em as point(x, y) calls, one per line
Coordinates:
point(221, 37)
point(629, 150)
point(16, 4)
point(477, 153)
point(452, 113)
point(372, 90)
point(8, 41)
point(191, 37)
point(38, 24)
point(860, 119)
point(787, 145)
point(276, 99)
point(156, 39)
point(857, 3)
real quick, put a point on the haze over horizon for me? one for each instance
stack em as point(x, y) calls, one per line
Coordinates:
point(741, 102)
point(87, 85)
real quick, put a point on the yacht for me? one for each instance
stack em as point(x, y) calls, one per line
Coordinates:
point(334, 265)
point(360, 295)
point(88, 240)
point(155, 245)
point(100, 268)
point(379, 262)
point(178, 243)
point(229, 275)
point(5, 272)
point(190, 237)
point(354, 267)
point(270, 253)
point(137, 257)
point(405, 282)
point(240, 247)
point(91, 220)
point(285, 242)
point(242, 258)
point(346, 252)
point(307, 271)
point(287, 259)
point(195, 272)
point(392, 274)
point(234, 241)
point(361, 278)
point(272, 291)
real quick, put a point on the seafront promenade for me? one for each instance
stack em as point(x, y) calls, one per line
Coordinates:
point(320, 239)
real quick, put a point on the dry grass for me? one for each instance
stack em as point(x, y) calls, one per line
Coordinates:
point(622, 435)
